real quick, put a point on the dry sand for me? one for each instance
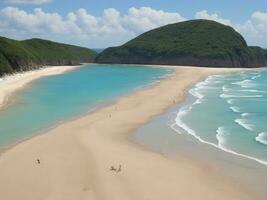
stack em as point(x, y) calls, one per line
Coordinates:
point(75, 157)
point(11, 83)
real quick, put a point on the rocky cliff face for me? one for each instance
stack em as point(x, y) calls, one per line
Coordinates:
point(195, 42)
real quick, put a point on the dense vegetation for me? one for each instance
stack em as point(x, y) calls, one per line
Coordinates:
point(195, 42)
point(34, 53)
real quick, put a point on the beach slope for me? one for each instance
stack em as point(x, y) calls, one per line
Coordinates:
point(76, 157)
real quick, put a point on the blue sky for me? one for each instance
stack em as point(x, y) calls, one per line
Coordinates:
point(104, 23)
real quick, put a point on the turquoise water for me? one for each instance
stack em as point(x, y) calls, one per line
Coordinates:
point(229, 112)
point(54, 99)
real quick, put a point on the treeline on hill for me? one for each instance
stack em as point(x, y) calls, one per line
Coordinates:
point(190, 43)
point(194, 42)
point(31, 54)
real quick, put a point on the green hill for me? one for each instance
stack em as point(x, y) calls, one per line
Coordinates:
point(34, 53)
point(194, 42)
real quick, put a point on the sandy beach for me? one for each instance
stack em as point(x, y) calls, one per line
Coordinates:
point(76, 157)
point(12, 83)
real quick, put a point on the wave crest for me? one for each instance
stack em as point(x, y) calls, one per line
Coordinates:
point(262, 138)
point(244, 123)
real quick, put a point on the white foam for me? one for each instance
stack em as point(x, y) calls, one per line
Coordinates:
point(245, 83)
point(201, 87)
point(255, 91)
point(243, 90)
point(230, 101)
point(225, 89)
point(244, 123)
point(244, 114)
point(262, 138)
point(173, 126)
point(221, 137)
point(225, 96)
point(195, 92)
point(218, 76)
point(242, 82)
point(182, 112)
point(255, 77)
point(221, 132)
point(235, 109)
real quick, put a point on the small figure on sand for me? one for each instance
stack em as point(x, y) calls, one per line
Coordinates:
point(112, 168)
point(119, 169)
point(38, 161)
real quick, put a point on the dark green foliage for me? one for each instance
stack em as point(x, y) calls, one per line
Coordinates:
point(4, 66)
point(195, 42)
point(35, 53)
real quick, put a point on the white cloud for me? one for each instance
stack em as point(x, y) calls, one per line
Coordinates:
point(254, 29)
point(214, 16)
point(146, 18)
point(111, 28)
point(27, 1)
point(36, 22)
point(80, 27)
point(259, 19)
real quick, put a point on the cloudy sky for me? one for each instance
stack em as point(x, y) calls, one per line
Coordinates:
point(103, 23)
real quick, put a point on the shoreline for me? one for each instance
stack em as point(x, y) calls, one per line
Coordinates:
point(12, 83)
point(198, 138)
point(68, 156)
point(99, 106)
point(158, 136)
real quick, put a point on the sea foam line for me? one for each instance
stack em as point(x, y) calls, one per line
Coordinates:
point(235, 109)
point(179, 122)
point(225, 89)
point(221, 141)
point(245, 114)
point(262, 138)
point(219, 136)
point(225, 96)
point(230, 101)
point(244, 124)
point(255, 77)
point(248, 83)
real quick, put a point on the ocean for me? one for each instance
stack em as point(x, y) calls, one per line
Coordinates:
point(222, 123)
point(229, 112)
point(51, 100)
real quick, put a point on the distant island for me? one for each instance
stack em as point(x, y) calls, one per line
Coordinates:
point(195, 43)
point(16, 56)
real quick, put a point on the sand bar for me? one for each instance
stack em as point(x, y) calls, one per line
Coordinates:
point(75, 157)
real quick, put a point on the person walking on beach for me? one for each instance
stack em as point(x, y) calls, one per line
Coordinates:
point(119, 169)
point(38, 161)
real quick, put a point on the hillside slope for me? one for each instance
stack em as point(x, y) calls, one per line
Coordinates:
point(194, 42)
point(34, 53)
